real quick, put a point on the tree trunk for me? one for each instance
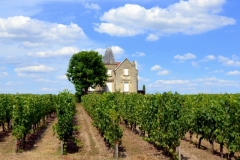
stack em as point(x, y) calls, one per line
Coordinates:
point(212, 145)
point(199, 143)
point(191, 134)
point(17, 145)
point(3, 128)
point(9, 124)
point(135, 127)
point(86, 90)
point(24, 139)
point(221, 150)
point(126, 123)
point(44, 121)
point(230, 155)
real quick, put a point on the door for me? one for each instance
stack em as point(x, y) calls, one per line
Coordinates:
point(126, 87)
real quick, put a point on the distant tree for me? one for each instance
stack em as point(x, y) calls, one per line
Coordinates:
point(85, 70)
point(144, 88)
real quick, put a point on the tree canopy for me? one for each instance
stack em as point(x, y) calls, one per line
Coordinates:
point(144, 88)
point(85, 70)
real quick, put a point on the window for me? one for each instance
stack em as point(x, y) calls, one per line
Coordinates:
point(125, 72)
point(126, 87)
point(109, 87)
point(91, 89)
point(109, 72)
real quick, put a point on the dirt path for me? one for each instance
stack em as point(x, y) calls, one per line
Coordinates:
point(135, 148)
point(38, 146)
point(93, 144)
point(189, 151)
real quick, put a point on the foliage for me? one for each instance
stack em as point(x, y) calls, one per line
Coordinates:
point(65, 113)
point(85, 70)
point(29, 110)
point(103, 110)
point(157, 115)
point(165, 118)
point(144, 88)
point(6, 106)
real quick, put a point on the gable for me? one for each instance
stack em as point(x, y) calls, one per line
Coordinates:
point(124, 62)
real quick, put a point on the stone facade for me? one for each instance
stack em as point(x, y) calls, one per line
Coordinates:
point(126, 77)
point(122, 76)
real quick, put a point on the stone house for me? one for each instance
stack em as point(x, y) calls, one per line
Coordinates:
point(122, 76)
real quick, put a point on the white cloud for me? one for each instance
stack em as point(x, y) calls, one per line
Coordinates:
point(139, 54)
point(204, 85)
point(92, 6)
point(3, 74)
point(61, 52)
point(235, 58)
point(27, 75)
point(62, 77)
point(116, 50)
point(188, 17)
point(33, 44)
point(231, 73)
point(115, 30)
point(163, 73)
point(184, 57)
point(9, 84)
point(13, 60)
point(208, 58)
point(100, 51)
point(2, 68)
point(39, 68)
point(194, 64)
point(213, 81)
point(45, 80)
point(218, 71)
point(47, 89)
point(228, 62)
point(35, 33)
point(171, 82)
point(143, 79)
point(152, 37)
point(156, 67)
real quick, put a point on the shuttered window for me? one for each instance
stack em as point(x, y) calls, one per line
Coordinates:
point(109, 72)
point(126, 72)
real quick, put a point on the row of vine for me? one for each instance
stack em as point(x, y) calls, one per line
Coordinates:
point(163, 119)
point(27, 112)
point(66, 108)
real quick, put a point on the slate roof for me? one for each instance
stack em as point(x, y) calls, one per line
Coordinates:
point(108, 57)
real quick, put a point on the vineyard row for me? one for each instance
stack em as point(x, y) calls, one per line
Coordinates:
point(26, 112)
point(164, 119)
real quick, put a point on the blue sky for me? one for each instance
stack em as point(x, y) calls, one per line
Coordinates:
point(190, 46)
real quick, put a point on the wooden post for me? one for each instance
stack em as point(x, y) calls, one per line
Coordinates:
point(17, 145)
point(116, 149)
point(178, 151)
point(61, 147)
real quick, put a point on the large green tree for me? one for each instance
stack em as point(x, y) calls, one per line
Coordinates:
point(85, 70)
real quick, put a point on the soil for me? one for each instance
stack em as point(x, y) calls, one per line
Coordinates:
point(44, 145)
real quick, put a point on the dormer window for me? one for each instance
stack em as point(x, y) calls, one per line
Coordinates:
point(125, 72)
point(109, 72)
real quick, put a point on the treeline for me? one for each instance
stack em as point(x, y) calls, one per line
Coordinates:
point(164, 119)
point(25, 113)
